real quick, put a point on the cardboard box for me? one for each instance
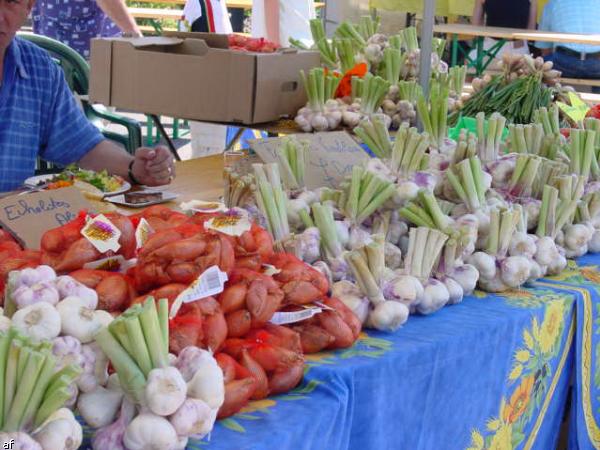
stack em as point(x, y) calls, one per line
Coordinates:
point(195, 76)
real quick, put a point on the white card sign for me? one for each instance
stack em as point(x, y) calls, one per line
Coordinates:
point(332, 156)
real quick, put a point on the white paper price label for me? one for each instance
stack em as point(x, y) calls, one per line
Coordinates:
point(102, 234)
point(283, 318)
point(232, 224)
point(112, 264)
point(202, 206)
point(211, 282)
point(142, 233)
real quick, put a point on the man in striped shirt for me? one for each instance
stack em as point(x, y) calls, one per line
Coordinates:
point(39, 117)
point(572, 16)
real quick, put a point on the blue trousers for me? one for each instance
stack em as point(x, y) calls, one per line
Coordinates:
point(573, 67)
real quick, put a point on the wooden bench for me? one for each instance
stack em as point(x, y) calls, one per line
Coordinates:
point(580, 81)
point(484, 58)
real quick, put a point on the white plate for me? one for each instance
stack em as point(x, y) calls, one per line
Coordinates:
point(34, 181)
point(120, 199)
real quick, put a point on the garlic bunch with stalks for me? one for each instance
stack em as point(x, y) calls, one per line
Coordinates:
point(498, 270)
point(368, 267)
point(60, 432)
point(149, 432)
point(350, 294)
point(39, 321)
point(80, 319)
point(165, 390)
point(100, 406)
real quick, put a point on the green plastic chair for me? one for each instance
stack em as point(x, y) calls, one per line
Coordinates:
point(77, 73)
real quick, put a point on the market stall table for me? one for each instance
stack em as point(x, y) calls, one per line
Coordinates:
point(494, 369)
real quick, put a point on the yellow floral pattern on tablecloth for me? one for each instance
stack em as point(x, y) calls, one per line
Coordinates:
point(528, 381)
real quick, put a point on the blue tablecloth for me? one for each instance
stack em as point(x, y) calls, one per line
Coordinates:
point(493, 372)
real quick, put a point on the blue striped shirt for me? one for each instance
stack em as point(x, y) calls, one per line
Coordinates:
point(571, 16)
point(39, 115)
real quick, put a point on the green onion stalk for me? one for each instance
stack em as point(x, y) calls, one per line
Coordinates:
point(396, 41)
point(409, 151)
point(137, 342)
point(346, 53)
point(347, 30)
point(523, 176)
point(466, 146)
point(592, 202)
point(297, 43)
point(467, 180)
point(457, 76)
point(364, 194)
point(31, 388)
point(393, 62)
point(593, 124)
point(410, 91)
point(548, 118)
point(427, 213)
point(570, 187)
point(292, 158)
point(526, 138)
point(424, 249)
point(438, 46)
point(367, 26)
point(374, 133)
point(581, 151)
point(546, 173)
point(489, 138)
point(331, 245)
point(409, 39)
point(372, 92)
point(503, 225)
point(271, 200)
point(319, 87)
point(434, 115)
point(368, 266)
point(326, 49)
point(555, 213)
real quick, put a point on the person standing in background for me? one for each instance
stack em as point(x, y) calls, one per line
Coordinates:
point(280, 20)
point(506, 14)
point(572, 16)
point(76, 22)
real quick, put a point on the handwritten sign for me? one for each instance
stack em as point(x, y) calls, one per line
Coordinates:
point(331, 156)
point(28, 216)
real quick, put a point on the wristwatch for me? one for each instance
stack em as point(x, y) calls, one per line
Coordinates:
point(130, 173)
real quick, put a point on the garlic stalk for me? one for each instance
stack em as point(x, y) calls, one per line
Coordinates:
point(489, 138)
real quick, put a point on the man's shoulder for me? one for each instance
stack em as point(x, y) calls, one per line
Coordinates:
point(34, 58)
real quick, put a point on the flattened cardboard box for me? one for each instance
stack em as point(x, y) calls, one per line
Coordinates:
point(194, 76)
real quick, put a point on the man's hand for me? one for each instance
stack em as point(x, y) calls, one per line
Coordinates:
point(153, 166)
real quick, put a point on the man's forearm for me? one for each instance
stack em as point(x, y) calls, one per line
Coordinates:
point(109, 156)
point(117, 11)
